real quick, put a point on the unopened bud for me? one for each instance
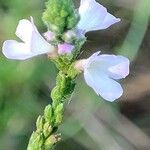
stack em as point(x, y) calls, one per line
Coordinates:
point(36, 141)
point(39, 123)
point(79, 65)
point(65, 48)
point(69, 36)
point(48, 113)
point(53, 139)
point(59, 114)
point(50, 36)
point(47, 129)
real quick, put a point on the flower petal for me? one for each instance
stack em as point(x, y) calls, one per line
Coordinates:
point(24, 30)
point(39, 45)
point(28, 32)
point(109, 89)
point(117, 66)
point(15, 50)
point(94, 16)
point(108, 21)
point(91, 59)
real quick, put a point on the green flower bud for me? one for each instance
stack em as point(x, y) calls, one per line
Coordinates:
point(60, 15)
point(59, 109)
point(39, 123)
point(53, 139)
point(59, 114)
point(47, 129)
point(36, 141)
point(48, 113)
point(56, 96)
point(69, 36)
point(60, 80)
point(58, 119)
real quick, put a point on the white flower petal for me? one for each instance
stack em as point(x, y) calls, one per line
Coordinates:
point(117, 66)
point(28, 32)
point(39, 45)
point(94, 16)
point(104, 86)
point(108, 21)
point(24, 30)
point(91, 59)
point(16, 50)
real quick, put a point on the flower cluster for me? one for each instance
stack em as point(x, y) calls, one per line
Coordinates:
point(61, 40)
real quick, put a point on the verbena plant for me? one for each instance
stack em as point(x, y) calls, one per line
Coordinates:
point(62, 43)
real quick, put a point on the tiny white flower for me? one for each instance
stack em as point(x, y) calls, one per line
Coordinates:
point(94, 16)
point(32, 44)
point(101, 71)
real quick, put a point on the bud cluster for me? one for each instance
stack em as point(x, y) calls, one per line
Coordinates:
point(43, 138)
point(60, 15)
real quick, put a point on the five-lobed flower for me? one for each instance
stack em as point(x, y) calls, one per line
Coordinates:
point(101, 71)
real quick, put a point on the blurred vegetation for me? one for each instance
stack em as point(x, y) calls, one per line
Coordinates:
point(90, 123)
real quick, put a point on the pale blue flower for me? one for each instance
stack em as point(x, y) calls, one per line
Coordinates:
point(101, 71)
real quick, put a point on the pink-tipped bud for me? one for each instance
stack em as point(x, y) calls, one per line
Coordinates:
point(69, 36)
point(65, 48)
point(50, 36)
point(79, 65)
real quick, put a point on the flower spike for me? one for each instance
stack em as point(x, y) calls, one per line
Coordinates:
point(62, 43)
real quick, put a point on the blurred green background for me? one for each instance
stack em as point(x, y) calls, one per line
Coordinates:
point(90, 123)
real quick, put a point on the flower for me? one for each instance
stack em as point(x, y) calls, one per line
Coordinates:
point(94, 16)
point(101, 71)
point(33, 43)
